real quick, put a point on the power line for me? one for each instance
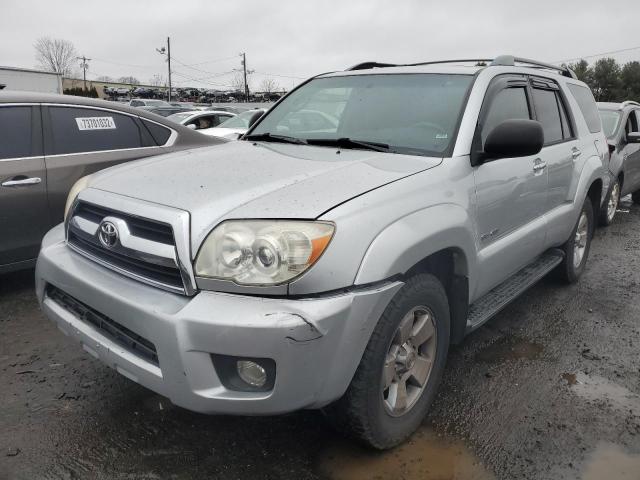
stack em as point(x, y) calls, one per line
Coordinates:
point(280, 75)
point(213, 61)
point(597, 55)
point(149, 67)
point(193, 79)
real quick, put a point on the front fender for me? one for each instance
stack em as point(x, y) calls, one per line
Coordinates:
point(410, 239)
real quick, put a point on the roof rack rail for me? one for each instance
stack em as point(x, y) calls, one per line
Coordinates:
point(501, 60)
point(630, 102)
point(510, 61)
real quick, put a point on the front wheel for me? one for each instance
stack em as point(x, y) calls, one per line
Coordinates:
point(576, 249)
point(610, 205)
point(401, 368)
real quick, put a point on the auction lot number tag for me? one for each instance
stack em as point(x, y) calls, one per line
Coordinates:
point(96, 123)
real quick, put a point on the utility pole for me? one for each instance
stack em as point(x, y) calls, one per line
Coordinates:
point(167, 51)
point(245, 72)
point(84, 66)
point(244, 67)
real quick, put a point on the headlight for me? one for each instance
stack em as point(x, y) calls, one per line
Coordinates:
point(262, 252)
point(80, 185)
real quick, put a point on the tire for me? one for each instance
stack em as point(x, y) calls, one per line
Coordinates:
point(570, 270)
point(608, 210)
point(635, 196)
point(366, 411)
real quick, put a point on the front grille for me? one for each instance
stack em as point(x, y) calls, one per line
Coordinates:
point(120, 334)
point(140, 227)
point(160, 270)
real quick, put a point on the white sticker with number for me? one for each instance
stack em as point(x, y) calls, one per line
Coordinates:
point(96, 123)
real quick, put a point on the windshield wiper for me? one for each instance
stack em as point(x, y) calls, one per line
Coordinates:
point(345, 142)
point(270, 137)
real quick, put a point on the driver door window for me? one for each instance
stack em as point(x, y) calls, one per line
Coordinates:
point(508, 104)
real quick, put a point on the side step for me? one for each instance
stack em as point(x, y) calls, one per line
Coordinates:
point(495, 300)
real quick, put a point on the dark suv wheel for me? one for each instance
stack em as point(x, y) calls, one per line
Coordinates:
point(401, 368)
point(610, 205)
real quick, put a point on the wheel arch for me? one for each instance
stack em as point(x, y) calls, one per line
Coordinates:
point(438, 240)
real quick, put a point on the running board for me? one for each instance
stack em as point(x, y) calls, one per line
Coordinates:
point(495, 300)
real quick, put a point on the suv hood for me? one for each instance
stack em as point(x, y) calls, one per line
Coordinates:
point(256, 180)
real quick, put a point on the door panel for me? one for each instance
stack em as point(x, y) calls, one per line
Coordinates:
point(23, 214)
point(511, 193)
point(23, 183)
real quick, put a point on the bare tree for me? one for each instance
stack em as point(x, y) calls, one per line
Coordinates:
point(269, 85)
point(104, 78)
point(157, 80)
point(130, 80)
point(237, 81)
point(56, 55)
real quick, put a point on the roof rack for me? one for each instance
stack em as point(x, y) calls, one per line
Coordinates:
point(501, 60)
point(626, 103)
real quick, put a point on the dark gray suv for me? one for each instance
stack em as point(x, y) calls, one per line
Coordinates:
point(48, 142)
point(621, 124)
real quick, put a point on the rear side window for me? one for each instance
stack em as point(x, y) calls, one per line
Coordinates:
point(632, 123)
point(508, 104)
point(159, 133)
point(75, 130)
point(15, 132)
point(548, 114)
point(587, 105)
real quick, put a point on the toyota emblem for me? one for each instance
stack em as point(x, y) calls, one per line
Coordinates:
point(108, 234)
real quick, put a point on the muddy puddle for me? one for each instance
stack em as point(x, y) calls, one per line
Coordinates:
point(509, 349)
point(612, 462)
point(426, 456)
point(599, 389)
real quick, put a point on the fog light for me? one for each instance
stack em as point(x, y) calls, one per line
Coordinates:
point(252, 373)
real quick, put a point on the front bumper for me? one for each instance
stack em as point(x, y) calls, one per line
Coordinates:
point(316, 343)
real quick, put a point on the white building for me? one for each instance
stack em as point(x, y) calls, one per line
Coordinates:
point(12, 78)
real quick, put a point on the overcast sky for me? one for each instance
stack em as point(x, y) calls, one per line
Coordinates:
point(288, 40)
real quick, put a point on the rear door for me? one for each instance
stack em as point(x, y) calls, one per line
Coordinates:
point(79, 141)
point(23, 184)
point(560, 144)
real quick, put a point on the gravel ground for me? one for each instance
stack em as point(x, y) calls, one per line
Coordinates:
point(548, 389)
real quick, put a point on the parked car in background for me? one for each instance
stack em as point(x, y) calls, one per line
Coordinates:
point(621, 123)
point(303, 267)
point(200, 119)
point(168, 110)
point(147, 102)
point(235, 127)
point(48, 142)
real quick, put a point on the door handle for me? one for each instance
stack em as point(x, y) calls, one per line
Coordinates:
point(575, 152)
point(539, 165)
point(20, 182)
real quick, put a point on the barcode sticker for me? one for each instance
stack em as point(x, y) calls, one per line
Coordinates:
point(96, 123)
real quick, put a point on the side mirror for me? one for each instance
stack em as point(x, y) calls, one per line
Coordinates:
point(612, 147)
point(514, 138)
point(254, 118)
point(633, 137)
point(192, 126)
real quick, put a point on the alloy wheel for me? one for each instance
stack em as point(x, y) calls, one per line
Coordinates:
point(409, 361)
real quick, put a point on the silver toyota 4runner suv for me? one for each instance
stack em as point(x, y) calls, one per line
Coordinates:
point(368, 221)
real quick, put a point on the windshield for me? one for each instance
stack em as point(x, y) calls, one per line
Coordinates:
point(179, 117)
point(610, 120)
point(409, 113)
point(156, 103)
point(239, 121)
